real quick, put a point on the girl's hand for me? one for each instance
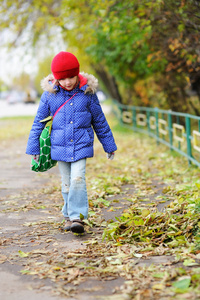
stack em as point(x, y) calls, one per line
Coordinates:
point(110, 155)
point(36, 158)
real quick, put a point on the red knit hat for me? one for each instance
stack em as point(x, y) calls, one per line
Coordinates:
point(64, 65)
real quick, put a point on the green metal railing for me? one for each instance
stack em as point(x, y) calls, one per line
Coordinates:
point(179, 131)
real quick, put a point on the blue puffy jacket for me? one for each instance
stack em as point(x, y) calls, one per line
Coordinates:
point(72, 134)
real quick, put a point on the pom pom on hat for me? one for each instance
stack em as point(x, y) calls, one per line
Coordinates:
point(64, 65)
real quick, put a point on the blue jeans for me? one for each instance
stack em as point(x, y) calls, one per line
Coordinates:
point(74, 189)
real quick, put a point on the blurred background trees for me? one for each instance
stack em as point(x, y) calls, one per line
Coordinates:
point(143, 52)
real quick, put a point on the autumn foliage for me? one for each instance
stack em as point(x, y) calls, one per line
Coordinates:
point(144, 52)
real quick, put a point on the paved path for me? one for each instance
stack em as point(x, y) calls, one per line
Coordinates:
point(17, 109)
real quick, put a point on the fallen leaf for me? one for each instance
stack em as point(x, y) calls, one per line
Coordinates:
point(3, 258)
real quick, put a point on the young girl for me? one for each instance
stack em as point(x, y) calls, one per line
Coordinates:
point(72, 134)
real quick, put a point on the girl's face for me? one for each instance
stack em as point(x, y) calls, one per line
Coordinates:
point(69, 83)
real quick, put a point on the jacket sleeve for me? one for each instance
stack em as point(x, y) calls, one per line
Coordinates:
point(101, 127)
point(33, 146)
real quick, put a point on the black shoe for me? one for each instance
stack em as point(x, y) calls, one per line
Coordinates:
point(67, 226)
point(77, 226)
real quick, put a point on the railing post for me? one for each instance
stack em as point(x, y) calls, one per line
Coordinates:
point(170, 130)
point(134, 118)
point(148, 122)
point(188, 133)
point(121, 116)
point(157, 126)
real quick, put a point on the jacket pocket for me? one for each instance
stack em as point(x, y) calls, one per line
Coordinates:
point(82, 136)
point(90, 134)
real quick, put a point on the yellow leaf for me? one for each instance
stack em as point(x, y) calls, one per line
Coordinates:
point(145, 212)
point(171, 47)
point(23, 254)
point(149, 57)
point(158, 286)
point(56, 268)
point(188, 62)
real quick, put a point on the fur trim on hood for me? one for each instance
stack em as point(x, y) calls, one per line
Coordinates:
point(49, 82)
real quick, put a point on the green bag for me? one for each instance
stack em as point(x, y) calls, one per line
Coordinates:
point(45, 162)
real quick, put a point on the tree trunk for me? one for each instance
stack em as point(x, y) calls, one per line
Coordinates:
point(109, 82)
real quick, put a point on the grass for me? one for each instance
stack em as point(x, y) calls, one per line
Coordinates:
point(16, 127)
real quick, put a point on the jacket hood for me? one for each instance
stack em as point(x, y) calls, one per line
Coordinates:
point(49, 83)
